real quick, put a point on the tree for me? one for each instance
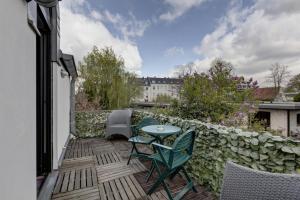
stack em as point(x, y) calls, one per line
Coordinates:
point(163, 98)
point(185, 70)
point(105, 81)
point(213, 95)
point(278, 75)
point(294, 83)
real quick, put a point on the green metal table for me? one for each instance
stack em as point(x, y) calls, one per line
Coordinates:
point(160, 132)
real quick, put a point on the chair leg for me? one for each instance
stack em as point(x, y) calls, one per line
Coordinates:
point(150, 172)
point(189, 179)
point(162, 177)
point(130, 154)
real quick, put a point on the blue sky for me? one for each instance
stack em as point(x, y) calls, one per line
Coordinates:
point(155, 36)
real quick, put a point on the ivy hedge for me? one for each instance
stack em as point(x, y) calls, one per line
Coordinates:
point(91, 124)
point(215, 144)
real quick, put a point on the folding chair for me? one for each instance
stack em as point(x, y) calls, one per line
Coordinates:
point(138, 139)
point(173, 160)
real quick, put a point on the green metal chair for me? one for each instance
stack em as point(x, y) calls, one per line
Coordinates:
point(138, 139)
point(173, 160)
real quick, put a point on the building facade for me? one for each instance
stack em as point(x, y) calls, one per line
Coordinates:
point(37, 82)
point(153, 87)
point(283, 117)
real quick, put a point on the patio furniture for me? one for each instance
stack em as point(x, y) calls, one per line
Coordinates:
point(240, 182)
point(160, 132)
point(173, 160)
point(119, 123)
point(139, 139)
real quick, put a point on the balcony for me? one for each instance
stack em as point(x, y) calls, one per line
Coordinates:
point(96, 168)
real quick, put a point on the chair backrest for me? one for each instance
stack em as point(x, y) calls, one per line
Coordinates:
point(240, 182)
point(185, 142)
point(119, 117)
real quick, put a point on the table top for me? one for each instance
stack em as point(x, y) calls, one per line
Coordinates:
point(161, 130)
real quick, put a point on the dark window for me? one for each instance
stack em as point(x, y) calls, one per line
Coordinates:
point(264, 118)
point(146, 88)
point(153, 87)
point(298, 119)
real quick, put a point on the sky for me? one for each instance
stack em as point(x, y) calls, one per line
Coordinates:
point(154, 37)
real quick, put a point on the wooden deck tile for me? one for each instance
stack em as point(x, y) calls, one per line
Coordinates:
point(123, 188)
point(76, 162)
point(75, 178)
point(91, 193)
point(108, 157)
point(116, 170)
point(96, 169)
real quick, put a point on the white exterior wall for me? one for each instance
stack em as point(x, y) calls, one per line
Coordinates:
point(17, 103)
point(62, 110)
point(160, 89)
point(279, 120)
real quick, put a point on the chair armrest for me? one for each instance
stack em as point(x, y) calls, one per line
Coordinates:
point(161, 146)
point(169, 150)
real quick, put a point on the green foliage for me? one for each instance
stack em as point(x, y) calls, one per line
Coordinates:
point(105, 80)
point(216, 144)
point(297, 98)
point(91, 124)
point(294, 84)
point(213, 95)
point(163, 98)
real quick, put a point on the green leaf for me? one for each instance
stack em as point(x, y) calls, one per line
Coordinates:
point(287, 149)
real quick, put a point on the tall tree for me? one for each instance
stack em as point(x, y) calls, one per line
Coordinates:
point(213, 95)
point(105, 79)
point(278, 75)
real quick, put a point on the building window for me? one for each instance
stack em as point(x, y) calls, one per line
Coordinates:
point(298, 119)
point(146, 88)
point(264, 118)
point(153, 87)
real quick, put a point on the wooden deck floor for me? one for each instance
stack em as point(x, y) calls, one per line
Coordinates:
point(96, 169)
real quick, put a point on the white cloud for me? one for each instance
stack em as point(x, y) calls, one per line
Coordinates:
point(174, 51)
point(80, 32)
point(253, 38)
point(178, 8)
point(130, 28)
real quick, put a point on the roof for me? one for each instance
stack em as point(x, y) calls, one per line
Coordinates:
point(147, 81)
point(280, 106)
point(69, 64)
point(265, 94)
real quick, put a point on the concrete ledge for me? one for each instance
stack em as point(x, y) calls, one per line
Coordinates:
point(48, 186)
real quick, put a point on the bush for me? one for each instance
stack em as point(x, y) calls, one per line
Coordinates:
point(297, 98)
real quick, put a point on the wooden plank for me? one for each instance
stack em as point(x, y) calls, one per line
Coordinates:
point(121, 189)
point(108, 191)
point(89, 177)
point(132, 187)
point(91, 193)
point(137, 185)
point(115, 190)
point(83, 178)
point(94, 176)
point(65, 182)
point(77, 179)
point(102, 191)
point(127, 189)
point(71, 181)
point(58, 183)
